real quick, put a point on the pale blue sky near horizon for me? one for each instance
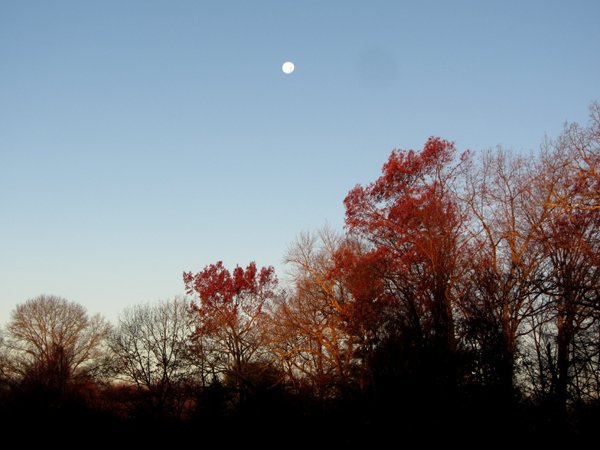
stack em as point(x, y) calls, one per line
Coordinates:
point(139, 139)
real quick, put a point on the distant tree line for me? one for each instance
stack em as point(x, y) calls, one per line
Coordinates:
point(463, 297)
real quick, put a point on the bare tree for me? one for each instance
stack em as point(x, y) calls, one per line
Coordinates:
point(152, 347)
point(506, 260)
point(582, 144)
point(53, 341)
point(309, 326)
point(4, 363)
point(571, 241)
point(571, 176)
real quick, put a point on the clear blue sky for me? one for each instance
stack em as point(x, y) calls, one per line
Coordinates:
point(139, 139)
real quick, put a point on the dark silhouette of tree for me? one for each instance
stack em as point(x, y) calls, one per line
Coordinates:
point(153, 350)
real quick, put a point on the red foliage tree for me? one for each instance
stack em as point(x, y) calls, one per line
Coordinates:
point(361, 274)
point(413, 221)
point(230, 306)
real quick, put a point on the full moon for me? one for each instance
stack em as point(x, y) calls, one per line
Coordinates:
point(287, 67)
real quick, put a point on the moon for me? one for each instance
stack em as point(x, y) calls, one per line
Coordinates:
point(288, 67)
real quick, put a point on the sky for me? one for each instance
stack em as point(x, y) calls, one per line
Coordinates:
point(141, 139)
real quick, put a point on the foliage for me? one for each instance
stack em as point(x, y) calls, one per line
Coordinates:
point(463, 297)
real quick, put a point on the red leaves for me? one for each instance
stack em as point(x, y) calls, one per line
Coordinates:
point(405, 171)
point(410, 201)
point(362, 275)
point(411, 218)
point(222, 292)
point(408, 180)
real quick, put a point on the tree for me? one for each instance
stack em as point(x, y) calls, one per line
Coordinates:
point(369, 309)
point(571, 243)
point(5, 369)
point(153, 350)
point(309, 325)
point(231, 311)
point(505, 262)
point(582, 193)
point(412, 218)
point(53, 342)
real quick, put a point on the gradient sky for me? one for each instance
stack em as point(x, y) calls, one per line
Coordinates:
point(139, 139)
